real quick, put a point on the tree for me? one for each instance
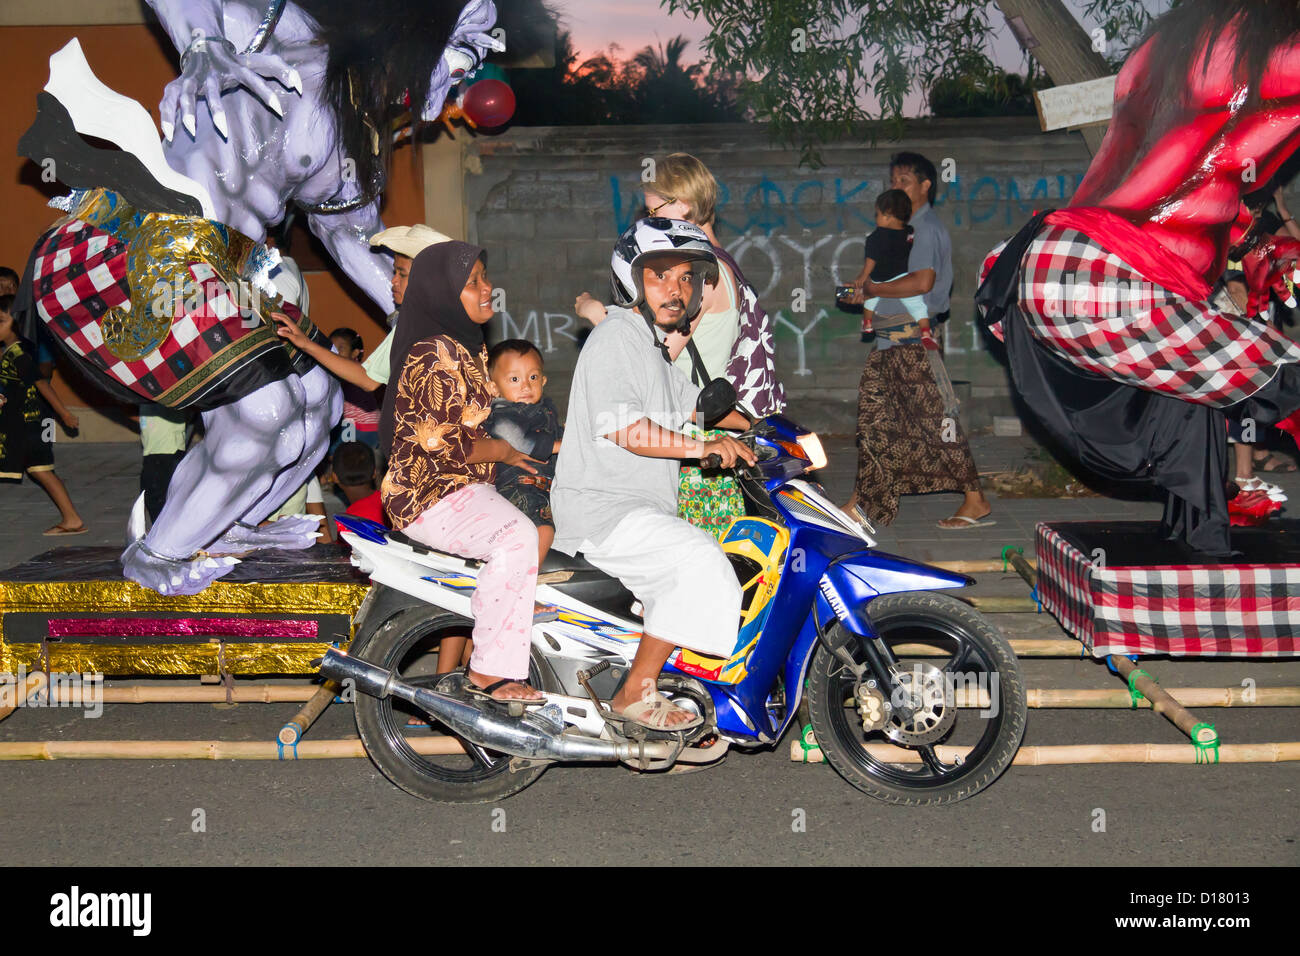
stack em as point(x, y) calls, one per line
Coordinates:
point(664, 90)
point(572, 92)
point(1007, 94)
point(654, 86)
point(808, 65)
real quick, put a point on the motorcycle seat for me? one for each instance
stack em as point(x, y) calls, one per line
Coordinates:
point(554, 561)
point(558, 561)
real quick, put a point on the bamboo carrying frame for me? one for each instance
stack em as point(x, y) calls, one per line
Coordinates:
point(289, 743)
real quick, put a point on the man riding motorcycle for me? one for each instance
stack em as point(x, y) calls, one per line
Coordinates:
point(615, 492)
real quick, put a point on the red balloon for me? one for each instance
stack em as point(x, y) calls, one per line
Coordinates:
point(489, 103)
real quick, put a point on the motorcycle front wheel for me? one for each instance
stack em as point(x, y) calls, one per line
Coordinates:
point(409, 643)
point(948, 753)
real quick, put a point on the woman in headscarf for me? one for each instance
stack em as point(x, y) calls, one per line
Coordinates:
point(438, 489)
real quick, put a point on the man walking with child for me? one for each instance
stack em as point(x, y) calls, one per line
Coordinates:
point(908, 442)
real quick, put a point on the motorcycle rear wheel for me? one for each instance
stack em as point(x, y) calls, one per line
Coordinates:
point(974, 648)
point(407, 642)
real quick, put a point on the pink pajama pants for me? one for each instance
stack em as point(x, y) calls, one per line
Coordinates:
point(476, 522)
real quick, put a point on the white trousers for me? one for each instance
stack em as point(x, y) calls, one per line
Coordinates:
point(680, 574)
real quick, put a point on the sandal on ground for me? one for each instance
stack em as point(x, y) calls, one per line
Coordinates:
point(545, 613)
point(653, 714)
point(968, 523)
point(485, 693)
point(1273, 462)
point(61, 529)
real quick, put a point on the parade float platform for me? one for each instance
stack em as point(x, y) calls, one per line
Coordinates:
point(1120, 588)
point(71, 610)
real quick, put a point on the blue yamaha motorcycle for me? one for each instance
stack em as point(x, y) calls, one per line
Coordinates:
point(914, 697)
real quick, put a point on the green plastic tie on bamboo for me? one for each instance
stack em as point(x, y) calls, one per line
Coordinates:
point(1006, 549)
point(803, 742)
point(1207, 751)
point(1135, 695)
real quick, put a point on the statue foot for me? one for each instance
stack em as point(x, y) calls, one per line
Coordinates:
point(170, 575)
point(290, 533)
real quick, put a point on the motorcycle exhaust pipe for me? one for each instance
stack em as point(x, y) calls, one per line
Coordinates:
point(531, 736)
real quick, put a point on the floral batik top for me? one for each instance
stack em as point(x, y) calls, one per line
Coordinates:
point(442, 399)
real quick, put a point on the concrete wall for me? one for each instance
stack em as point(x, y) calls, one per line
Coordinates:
point(549, 202)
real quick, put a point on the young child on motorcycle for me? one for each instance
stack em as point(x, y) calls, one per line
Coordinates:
point(530, 423)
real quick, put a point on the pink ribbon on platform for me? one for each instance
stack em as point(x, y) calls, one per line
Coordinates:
point(283, 630)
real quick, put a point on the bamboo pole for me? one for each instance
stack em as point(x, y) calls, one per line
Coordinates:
point(292, 732)
point(1191, 696)
point(258, 694)
point(1054, 698)
point(1046, 647)
point(208, 749)
point(1086, 754)
point(1024, 569)
point(977, 567)
point(1163, 703)
point(31, 684)
point(1091, 699)
point(1004, 605)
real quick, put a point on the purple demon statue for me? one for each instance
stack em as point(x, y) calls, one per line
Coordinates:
point(156, 282)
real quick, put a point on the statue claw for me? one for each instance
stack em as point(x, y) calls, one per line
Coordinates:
point(171, 575)
point(273, 102)
point(168, 130)
point(295, 81)
point(219, 121)
point(188, 122)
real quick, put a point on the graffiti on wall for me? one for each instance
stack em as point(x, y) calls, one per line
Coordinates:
point(797, 240)
point(839, 205)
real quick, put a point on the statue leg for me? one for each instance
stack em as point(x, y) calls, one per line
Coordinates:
point(323, 404)
point(248, 444)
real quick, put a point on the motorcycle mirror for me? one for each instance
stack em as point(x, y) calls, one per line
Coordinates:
point(715, 401)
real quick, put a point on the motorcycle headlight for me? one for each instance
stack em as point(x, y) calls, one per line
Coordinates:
point(812, 445)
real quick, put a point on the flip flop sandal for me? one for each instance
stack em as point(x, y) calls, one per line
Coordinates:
point(59, 529)
point(653, 715)
point(545, 613)
point(485, 693)
point(984, 522)
point(1273, 462)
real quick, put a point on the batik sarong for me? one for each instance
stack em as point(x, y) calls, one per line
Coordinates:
point(907, 445)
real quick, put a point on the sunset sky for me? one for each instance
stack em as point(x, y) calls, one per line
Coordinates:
point(634, 24)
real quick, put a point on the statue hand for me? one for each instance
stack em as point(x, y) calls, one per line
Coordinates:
point(210, 66)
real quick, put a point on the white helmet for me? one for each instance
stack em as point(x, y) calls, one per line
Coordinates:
point(656, 236)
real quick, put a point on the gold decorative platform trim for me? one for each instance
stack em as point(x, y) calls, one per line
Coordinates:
point(165, 660)
point(111, 597)
point(108, 597)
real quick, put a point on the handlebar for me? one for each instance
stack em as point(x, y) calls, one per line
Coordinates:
point(747, 439)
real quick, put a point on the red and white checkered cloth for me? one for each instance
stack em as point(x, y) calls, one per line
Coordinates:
point(1102, 315)
point(81, 273)
point(1179, 610)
